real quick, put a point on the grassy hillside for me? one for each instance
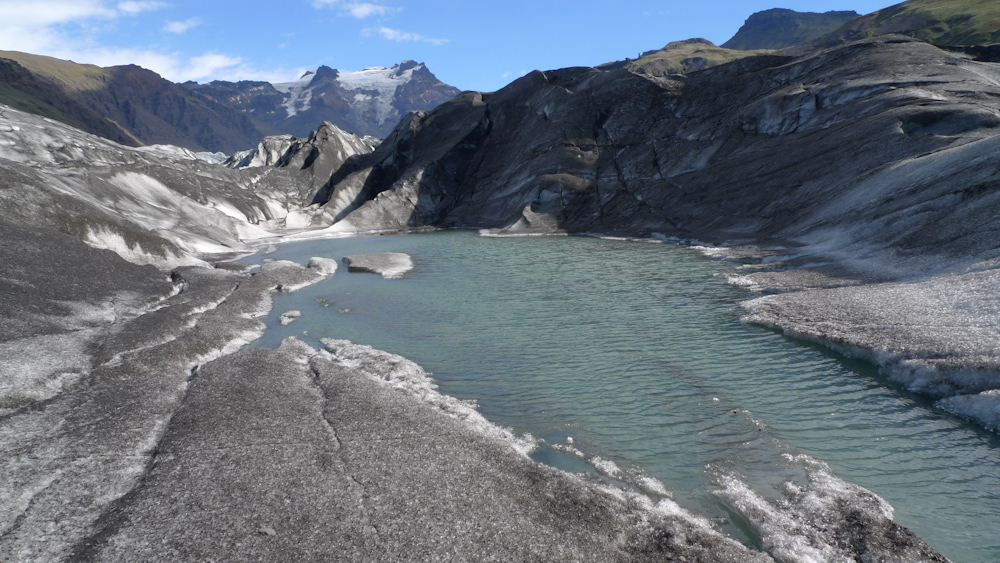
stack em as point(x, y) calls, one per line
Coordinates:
point(71, 76)
point(20, 89)
point(941, 22)
point(682, 57)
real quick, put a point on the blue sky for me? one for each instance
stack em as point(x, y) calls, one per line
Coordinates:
point(471, 45)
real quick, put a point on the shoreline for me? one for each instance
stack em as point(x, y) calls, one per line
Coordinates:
point(183, 384)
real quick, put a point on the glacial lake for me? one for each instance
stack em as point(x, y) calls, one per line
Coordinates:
point(636, 351)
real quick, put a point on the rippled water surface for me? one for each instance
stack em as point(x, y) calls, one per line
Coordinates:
point(635, 350)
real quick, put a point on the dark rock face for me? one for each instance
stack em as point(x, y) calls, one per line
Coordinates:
point(157, 111)
point(368, 102)
point(256, 98)
point(780, 28)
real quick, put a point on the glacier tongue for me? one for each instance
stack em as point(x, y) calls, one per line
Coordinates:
point(298, 95)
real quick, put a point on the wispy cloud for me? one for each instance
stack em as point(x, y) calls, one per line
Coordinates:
point(138, 6)
point(205, 67)
point(27, 14)
point(357, 10)
point(400, 36)
point(363, 10)
point(182, 26)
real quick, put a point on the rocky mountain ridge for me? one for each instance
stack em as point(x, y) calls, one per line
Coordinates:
point(368, 102)
point(682, 57)
point(779, 28)
point(945, 23)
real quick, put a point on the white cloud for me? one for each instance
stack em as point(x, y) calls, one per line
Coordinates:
point(363, 10)
point(357, 10)
point(137, 6)
point(182, 26)
point(64, 29)
point(400, 36)
point(19, 13)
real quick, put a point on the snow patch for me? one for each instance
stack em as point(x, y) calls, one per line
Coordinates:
point(298, 95)
point(105, 238)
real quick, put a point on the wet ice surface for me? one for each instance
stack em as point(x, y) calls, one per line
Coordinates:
point(660, 387)
point(390, 265)
point(937, 335)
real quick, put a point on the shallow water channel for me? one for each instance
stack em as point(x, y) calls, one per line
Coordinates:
point(636, 351)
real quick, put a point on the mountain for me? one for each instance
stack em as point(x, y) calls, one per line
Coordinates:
point(780, 28)
point(367, 102)
point(681, 57)
point(148, 108)
point(135, 106)
point(940, 22)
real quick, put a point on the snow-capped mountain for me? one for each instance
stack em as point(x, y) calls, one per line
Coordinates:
point(366, 102)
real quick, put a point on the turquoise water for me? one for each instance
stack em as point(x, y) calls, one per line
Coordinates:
point(635, 350)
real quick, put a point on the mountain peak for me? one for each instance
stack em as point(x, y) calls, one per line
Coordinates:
point(325, 72)
point(780, 27)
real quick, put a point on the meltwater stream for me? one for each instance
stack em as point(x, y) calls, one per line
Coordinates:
point(635, 350)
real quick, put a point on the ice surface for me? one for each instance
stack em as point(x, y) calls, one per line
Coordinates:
point(289, 317)
point(827, 519)
point(376, 86)
point(407, 376)
point(390, 265)
point(983, 408)
point(173, 152)
point(38, 368)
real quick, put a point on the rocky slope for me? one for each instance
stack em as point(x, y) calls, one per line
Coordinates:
point(869, 162)
point(367, 102)
point(780, 28)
